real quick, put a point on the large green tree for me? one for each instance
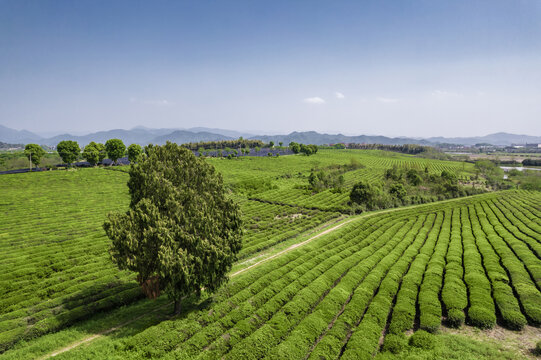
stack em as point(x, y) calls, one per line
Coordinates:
point(68, 150)
point(181, 232)
point(115, 149)
point(34, 153)
point(94, 153)
point(134, 151)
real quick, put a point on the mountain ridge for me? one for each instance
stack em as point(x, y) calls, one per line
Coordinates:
point(144, 135)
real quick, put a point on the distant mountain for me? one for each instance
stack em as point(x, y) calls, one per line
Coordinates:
point(500, 138)
point(230, 133)
point(143, 135)
point(312, 137)
point(183, 136)
point(12, 136)
point(134, 136)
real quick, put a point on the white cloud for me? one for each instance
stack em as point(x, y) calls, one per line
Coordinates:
point(314, 100)
point(339, 95)
point(386, 100)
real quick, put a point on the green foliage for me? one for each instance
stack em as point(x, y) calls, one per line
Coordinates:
point(252, 186)
point(115, 149)
point(405, 149)
point(293, 146)
point(68, 275)
point(68, 150)
point(398, 191)
point(94, 153)
point(395, 343)
point(457, 347)
point(366, 194)
point(34, 152)
point(455, 318)
point(531, 162)
point(422, 339)
point(181, 227)
point(481, 317)
point(329, 299)
point(222, 144)
point(529, 180)
point(492, 173)
point(413, 177)
point(308, 149)
point(321, 180)
point(134, 152)
point(394, 173)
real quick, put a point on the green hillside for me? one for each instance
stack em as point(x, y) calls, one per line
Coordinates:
point(352, 292)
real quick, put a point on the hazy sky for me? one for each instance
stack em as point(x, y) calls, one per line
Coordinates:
point(395, 68)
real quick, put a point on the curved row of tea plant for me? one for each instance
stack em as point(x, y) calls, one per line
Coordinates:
point(345, 293)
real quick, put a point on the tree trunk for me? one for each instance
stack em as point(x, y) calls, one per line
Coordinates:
point(177, 307)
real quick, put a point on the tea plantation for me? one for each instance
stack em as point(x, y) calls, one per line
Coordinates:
point(355, 292)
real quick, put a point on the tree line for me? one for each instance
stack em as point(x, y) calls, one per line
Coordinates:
point(223, 144)
point(114, 149)
point(70, 151)
point(412, 149)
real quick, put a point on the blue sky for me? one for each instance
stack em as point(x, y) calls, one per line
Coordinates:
point(396, 68)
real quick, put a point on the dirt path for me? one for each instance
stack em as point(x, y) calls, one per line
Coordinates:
point(110, 330)
point(292, 247)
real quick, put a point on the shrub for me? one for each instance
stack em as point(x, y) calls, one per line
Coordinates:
point(455, 318)
point(395, 343)
point(514, 320)
point(430, 322)
point(481, 317)
point(423, 340)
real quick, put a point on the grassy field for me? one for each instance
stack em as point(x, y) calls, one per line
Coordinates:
point(351, 293)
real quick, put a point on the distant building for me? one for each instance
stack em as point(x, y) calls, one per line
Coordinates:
point(538, 146)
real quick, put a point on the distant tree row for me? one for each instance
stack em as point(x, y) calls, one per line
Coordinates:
point(412, 149)
point(70, 151)
point(6, 146)
point(531, 162)
point(223, 144)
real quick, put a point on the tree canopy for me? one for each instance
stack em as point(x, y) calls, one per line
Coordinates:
point(34, 152)
point(181, 232)
point(293, 146)
point(68, 150)
point(366, 194)
point(115, 149)
point(134, 151)
point(94, 153)
point(308, 149)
